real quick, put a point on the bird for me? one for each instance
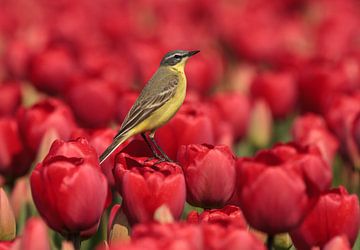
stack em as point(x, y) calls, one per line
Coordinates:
point(157, 103)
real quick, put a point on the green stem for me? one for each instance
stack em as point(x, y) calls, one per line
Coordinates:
point(75, 239)
point(270, 241)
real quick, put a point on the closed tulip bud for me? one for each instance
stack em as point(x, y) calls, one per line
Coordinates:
point(228, 216)
point(47, 114)
point(299, 174)
point(93, 102)
point(7, 218)
point(20, 195)
point(209, 174)
point(10, 98)
point(35, 235)
point(51, 70)
point(267, 86)
point(191, 125)
point(260, 125)
point(335, 213)
point(234, 109)
point(144, 187)
point(58, 184)
point(15, 160)
point(311, 129)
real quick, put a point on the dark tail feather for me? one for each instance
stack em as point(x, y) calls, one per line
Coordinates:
point(114, 145)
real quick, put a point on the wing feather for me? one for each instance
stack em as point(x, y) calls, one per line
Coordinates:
point(154, 95)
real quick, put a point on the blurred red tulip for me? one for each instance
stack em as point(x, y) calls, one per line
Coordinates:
point(51, 71)
point(330, 80)
point(58, 185)
point(227, 216)
point(35, 235)
point(268, 86)
point(209, 174)
point(336, 213)
point(48, 114)
point(298, 174)
point(191, 125)
point(193, 236)
point(145, 186)
point(234, 109)
point(93, 103)
point(10, 98)
point(337, 243)
point(311, 129)
point(15, 160)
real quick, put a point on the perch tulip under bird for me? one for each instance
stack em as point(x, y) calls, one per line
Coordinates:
point(158, 102)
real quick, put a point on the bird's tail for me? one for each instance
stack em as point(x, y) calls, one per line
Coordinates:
point(114, 145)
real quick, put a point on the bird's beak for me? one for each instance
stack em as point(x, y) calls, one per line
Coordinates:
point(193, 52)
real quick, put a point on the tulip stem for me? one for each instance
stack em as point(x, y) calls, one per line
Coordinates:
point(270, 241)
point(75, 239)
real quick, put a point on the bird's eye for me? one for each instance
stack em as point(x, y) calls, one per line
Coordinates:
point(177, 56)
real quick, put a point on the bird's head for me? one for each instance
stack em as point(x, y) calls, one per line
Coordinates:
point(177, 58)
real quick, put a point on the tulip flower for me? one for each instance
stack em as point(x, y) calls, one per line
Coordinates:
point(93, 102)
point(338, 242)
point(59, 182)
point(47, 114)
point(10, 98)
point(226, 216)
point(191, 125)
point(51, 70)
point(311, 129)
point(35, 235)
point(145, 187)
point(268, 85)
point(15, 159)
point(209, 174)
point(7, 218)
point(234, 108)
point(336, 213)
point(298, 174)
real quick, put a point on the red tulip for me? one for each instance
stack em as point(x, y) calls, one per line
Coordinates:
point(58, 184)
point(124, 103)
point(48, 114)
point(336, 213)
point(144, 187)
point(227, 216)
point(15, 160)
point(192, 236)
point(191, 125)
point(51, 70)
point(268, 86)
point(311, 129)
point(298, 174)
point(35, 235)
point(234, 109)
point(93, 103)
point(209, 174)
point(337, 243)
point(10, 99)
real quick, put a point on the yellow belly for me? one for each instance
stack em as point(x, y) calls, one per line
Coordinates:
point(166, 112)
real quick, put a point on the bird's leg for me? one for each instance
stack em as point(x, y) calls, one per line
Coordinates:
point(151, 136)
point(155, 153)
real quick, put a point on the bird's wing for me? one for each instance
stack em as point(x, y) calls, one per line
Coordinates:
point(155, 94)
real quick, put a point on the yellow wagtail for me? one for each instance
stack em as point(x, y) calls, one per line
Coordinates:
point(158, 102)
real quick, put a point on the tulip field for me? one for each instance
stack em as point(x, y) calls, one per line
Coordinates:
point(265, 148)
